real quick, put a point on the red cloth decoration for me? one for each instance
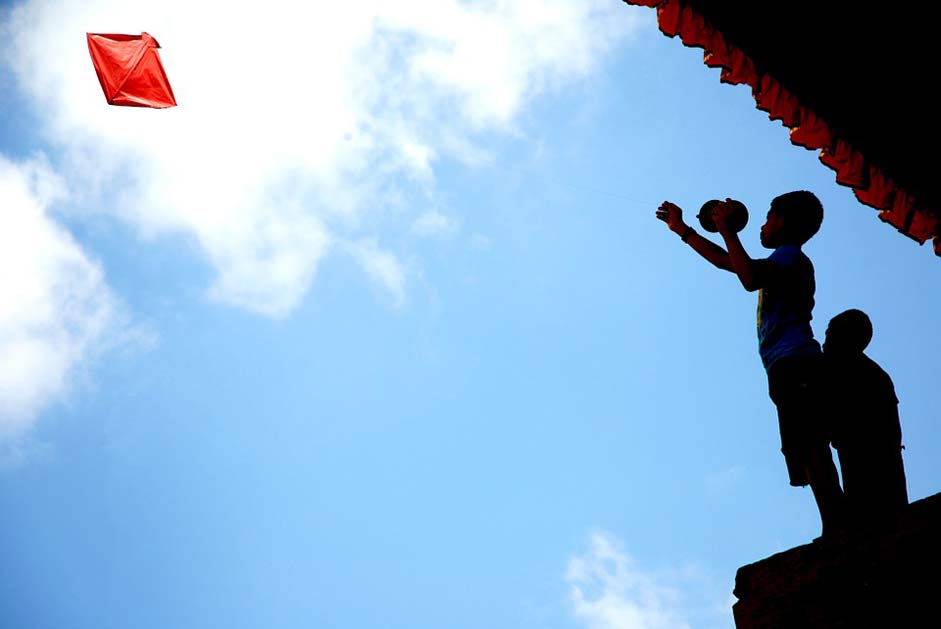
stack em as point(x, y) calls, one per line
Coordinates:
point(129, 70)
point(849, 164)
point(899, 214)
point(811, 132)
point(775, 99)
point(870, 184)
point(879, 192)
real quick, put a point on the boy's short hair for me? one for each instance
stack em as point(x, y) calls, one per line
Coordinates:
point(851, 330)
point(801, 212)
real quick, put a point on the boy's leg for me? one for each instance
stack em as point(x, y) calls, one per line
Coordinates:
point(824, 479)
point(825, 484)
point(873, 485)
point(794, 386)
point(898, 485)
point(885, 489)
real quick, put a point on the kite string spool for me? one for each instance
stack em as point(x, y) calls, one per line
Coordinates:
point(737, 220)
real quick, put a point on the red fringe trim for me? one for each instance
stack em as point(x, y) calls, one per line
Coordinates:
point(869, 183)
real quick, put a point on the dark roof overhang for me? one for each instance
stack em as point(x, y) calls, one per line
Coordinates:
point(853, 80)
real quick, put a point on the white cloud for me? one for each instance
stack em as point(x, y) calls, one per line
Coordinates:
point(56, 311)
point(434, 223)
point(302, 128)
point(383, 267)
point(609, 591)
point(299, 123)
point(479, 242)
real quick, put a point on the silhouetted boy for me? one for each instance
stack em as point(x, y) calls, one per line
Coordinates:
point(864, 419)
point(789, 352)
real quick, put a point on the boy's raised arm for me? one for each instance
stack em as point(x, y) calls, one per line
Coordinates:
point(672, 215)
point(753, 274)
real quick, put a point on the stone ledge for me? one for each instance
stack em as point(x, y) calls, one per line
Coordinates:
point(887, 579)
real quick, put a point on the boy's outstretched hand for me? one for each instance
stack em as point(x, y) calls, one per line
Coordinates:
point(672, 215)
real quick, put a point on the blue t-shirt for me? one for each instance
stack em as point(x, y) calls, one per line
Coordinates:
point(785, 307)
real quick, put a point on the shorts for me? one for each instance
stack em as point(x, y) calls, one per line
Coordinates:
point(873, 480)
point(794, 384)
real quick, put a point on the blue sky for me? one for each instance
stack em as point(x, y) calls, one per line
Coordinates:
point(380, 331)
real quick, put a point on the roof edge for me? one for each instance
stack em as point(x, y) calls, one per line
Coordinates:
point(871, 185)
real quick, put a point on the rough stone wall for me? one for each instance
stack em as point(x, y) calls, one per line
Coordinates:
point(889, 579)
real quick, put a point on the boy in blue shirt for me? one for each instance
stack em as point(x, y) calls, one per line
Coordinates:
point(790, 354)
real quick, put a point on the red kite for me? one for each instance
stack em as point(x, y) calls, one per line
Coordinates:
point(130, 71)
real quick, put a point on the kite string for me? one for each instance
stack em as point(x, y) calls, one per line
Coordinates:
point(531, 174)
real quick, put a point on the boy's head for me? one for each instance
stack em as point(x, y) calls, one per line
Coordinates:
point(848, 333)
point(793, 219)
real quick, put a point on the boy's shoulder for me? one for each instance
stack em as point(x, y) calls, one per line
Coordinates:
point(787, 264)
point(862, 374)
point(788, 255)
